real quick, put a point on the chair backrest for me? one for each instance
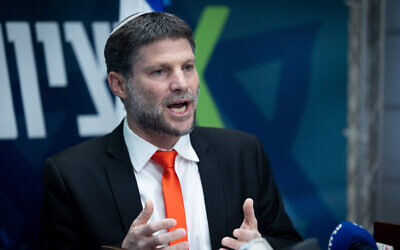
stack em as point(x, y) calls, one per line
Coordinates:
point(387, 233)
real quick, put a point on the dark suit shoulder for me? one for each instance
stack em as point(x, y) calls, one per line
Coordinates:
point(223, 137)
point(220, 131)
point(89, 155)
point(223, 132)
point(86, 148)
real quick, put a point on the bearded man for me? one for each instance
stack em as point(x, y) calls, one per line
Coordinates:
point(157, 181)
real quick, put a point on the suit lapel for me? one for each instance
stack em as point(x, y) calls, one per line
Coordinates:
point(211, 178)
point(122, 178)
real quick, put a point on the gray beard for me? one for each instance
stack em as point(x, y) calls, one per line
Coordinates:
point(148, 115)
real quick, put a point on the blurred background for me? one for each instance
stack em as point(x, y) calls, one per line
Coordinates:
point(316, 81)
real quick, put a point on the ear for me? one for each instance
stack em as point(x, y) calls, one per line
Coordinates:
point(117, 84)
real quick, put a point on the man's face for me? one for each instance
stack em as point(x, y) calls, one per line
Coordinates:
point(162, 94)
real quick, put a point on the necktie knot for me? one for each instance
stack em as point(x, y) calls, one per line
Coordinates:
point(166, 159)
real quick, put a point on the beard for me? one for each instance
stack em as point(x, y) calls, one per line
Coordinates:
point(148, 114)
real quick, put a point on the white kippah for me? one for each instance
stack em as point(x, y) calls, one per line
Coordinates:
point(129, 18)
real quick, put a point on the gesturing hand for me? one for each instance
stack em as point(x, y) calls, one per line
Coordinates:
point(140, 234)
point(247, 231)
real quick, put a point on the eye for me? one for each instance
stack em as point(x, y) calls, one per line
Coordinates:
point(188, 67)
point(158, 72)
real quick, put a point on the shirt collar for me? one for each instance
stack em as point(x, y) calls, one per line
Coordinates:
point(140, 151)
point(184, 148)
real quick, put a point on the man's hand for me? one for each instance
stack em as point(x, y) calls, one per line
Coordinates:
point(247, 231)
point(140, 235)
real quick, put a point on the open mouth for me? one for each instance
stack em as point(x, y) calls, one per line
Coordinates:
point(179, 107)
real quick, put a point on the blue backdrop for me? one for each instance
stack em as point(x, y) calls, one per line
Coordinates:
point(277, 70)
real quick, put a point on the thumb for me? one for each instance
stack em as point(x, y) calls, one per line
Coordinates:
point(250, 220)
point(145, 215)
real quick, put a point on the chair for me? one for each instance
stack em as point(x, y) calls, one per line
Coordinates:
point(387, 233)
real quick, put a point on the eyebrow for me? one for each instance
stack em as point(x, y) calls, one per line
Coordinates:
point(167, 65)
point(191, 60)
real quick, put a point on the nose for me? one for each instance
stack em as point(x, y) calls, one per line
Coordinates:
point(179, 82)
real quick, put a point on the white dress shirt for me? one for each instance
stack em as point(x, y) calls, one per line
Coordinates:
point(148, 177)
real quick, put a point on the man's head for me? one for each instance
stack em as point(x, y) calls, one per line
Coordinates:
point(124, 43)
point(151, 66)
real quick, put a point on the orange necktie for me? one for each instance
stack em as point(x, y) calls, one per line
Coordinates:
point(172, 192)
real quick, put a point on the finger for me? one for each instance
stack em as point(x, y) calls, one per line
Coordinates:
point(180, 246)
point(231, 243)
point(250, 221)
point(142, 235)
point(145, 215)
point(163, 238)
point(155, 226)
point(246, 234)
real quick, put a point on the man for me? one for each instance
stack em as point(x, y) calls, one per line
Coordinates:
point(113, 190)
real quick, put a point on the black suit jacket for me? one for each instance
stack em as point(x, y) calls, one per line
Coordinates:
point(91, 196)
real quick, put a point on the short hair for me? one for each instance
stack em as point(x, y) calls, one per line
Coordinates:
point(123, 45)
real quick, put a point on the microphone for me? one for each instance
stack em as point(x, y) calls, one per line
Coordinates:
point(349, 235)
